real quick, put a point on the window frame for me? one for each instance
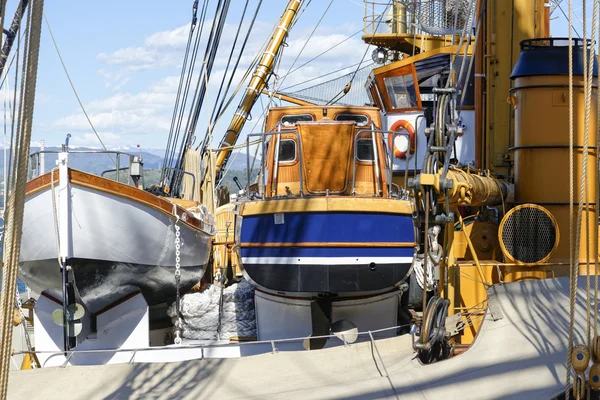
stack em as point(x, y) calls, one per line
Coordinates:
point(367, 122)
point(370, 140)
point(312, 119)
point(288, 162)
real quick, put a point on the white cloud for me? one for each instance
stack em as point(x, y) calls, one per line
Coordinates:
point(128, 116)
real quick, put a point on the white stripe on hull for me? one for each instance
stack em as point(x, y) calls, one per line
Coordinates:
point(326, 260)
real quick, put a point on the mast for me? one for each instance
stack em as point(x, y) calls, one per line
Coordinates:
point(11, 34)
point(257, 83)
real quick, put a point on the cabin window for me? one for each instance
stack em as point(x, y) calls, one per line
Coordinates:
point(287, 150)
point(291, 120)
point(361, 120)
point(364, 150)
point(401, 91)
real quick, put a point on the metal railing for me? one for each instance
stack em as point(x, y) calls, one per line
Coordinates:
point(368, 335)
point(389, 157)
point(184, 172)
point(35, 161)
point(382, 17)
point(261, 173)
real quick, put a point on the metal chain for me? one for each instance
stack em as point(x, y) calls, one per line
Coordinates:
point(177, 276)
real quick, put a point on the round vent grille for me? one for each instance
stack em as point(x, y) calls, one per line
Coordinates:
point(528, 234)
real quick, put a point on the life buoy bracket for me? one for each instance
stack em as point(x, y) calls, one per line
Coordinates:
point(395, 141)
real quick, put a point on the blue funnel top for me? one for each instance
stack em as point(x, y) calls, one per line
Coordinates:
point(550, 56)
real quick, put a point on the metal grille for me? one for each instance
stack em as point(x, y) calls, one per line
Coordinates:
point(528, 234)
point(444, 17)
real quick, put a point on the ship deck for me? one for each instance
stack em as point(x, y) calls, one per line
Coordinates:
point(520, 353)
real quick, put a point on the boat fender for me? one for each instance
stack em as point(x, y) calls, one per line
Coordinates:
point(401, 145)
point(580, 358)
point(594, 376)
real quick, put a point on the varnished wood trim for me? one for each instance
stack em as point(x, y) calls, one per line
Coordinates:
point(95, 182)
point(330, 244)
point(328, 204)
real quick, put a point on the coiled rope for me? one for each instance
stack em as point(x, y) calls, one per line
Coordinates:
point(16, 205)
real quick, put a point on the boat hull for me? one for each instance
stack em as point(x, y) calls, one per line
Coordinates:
point(121, 240)
point(327, 252)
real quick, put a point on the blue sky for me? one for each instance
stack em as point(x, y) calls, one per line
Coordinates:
point(125, 57)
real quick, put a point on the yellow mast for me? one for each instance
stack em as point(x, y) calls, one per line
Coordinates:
point(257, 83)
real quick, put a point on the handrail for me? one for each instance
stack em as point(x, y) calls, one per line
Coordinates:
point(185, 173)
point(34, 158)
point(391, 156)
point(71, 353)
point(262, 168)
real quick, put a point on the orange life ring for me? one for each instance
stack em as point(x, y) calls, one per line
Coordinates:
point(398, 143)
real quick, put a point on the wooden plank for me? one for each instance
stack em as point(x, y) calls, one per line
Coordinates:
point(327, 204)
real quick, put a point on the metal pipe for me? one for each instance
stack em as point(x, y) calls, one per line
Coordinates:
point(376, 163)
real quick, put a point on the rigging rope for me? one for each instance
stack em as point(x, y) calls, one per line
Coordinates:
point(347, 88)
point(75, 91)
point(305, 43)
point(321, 93)
point(187, 71)
point(596, 209)
point(572, 271)
point(217, 111)
point(17, 200)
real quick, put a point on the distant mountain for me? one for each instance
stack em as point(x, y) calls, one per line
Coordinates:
point(91, 160)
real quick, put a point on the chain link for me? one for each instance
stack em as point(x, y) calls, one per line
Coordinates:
point(177, 276)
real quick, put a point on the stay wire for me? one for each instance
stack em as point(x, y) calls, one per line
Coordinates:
point(186, 76)
point(75, 90)
point(178, 96)
point(217, 111)
point(346, 89)
point(305, 43)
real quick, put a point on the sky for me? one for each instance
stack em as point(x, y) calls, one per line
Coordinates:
point(125, 57)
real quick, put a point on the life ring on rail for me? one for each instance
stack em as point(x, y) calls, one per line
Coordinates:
point(401, 145)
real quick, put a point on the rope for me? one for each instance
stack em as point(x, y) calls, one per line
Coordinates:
point(55, 217)
point(597, 211)
point(74, 90)
point(588, 97)
point(17, 200)
point(305, 44)
point(573, 272)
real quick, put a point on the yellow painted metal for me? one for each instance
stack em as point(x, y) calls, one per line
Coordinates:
point(224, 239)
point(321, 204)
point(27, 363)
point(259, 80)
point(402, 33)
point(428, 54)
point(506, 253)
point(474, 190)
point(287, 98)
point(542, 151)
point(507, 23)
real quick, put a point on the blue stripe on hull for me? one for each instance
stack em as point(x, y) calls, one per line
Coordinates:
point(328, 227)
point(327, 252)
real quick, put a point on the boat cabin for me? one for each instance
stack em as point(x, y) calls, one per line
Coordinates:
point(325, 151)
